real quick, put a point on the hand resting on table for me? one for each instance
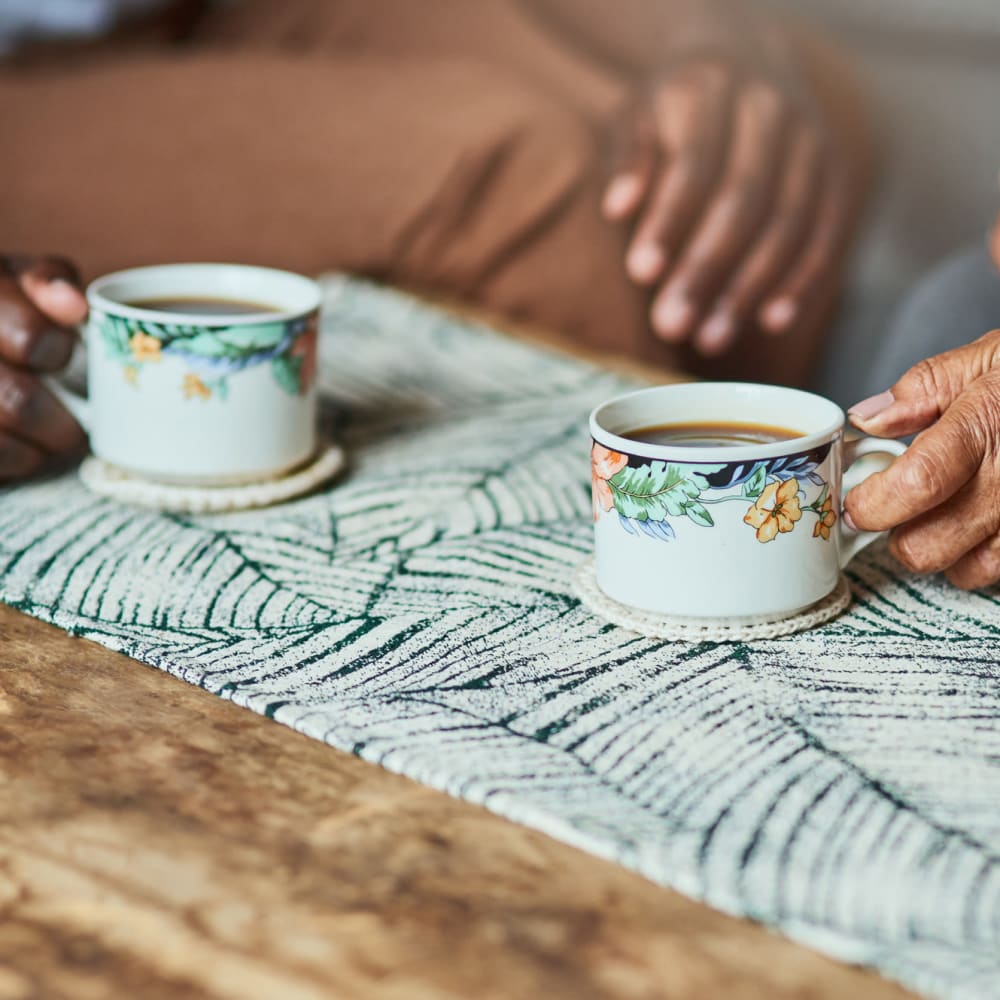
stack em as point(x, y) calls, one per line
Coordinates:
point(741, 201)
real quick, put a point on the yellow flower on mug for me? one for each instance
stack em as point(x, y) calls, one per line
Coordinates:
point(775, 510)
point(144, 347)
point(827, 519)
point(604, 464)
point(195, 388)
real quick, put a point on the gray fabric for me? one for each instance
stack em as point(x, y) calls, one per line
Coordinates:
point(956, 302)
point(26, 20)
point(968, 19)
point(935, 103)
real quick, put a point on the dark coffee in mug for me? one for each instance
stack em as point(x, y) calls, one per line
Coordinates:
point(191, 306)
point(723, 434)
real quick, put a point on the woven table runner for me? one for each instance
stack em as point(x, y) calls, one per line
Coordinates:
point(842, 786)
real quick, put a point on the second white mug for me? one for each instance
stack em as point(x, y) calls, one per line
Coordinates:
point(218, 397)
point(748, 531)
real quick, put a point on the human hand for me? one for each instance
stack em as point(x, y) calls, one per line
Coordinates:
point(40, 302)
point(942, 497)
point(740, 198)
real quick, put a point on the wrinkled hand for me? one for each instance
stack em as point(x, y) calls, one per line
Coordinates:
point(740, 200)
point(942, 497)
point(40, 300)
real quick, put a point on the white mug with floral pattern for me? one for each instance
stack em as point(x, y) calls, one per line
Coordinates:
point(201, 399)
point(737, 531)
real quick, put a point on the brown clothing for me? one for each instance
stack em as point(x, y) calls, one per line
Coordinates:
point(450, 146)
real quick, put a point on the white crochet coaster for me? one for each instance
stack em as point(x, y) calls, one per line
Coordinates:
point(112, 482)
point(658, 626)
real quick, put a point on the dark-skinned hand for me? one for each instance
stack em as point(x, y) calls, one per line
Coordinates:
point(40, 304)
point(941, 499)
point(739, 200)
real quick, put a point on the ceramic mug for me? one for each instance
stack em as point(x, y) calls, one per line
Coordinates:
point(203, 399)
point(742, 531)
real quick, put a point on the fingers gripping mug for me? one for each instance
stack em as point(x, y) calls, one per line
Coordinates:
point(200, 373)
point(723, 528)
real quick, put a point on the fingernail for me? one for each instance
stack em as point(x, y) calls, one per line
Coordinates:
point(872, 406)
point(671, 315)
point(645, 262)
point(58, 297)
point(716, 332)
point(51, 350)
point(67, 294)
point(621, 193)
point(849, 522)
point(779, 315)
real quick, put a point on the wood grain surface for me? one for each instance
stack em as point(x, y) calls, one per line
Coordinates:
point(159, 842)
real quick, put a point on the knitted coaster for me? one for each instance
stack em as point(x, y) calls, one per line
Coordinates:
point(658, 626)
point(110, 481)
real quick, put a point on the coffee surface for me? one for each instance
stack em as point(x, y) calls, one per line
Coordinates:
point(203, 307)
point(711, 435)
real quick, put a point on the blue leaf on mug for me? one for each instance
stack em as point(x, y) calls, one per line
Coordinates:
point(628, 524)
point(214, 357)
point(663, 530)
point(659, 530)
point(732, 475)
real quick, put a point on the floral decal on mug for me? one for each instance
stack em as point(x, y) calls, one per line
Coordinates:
point(213, 354)
point(775, 510)
point(604, 464)
point(647, 495)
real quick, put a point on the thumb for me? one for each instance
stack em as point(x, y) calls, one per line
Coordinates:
point(52, 284)
point(919, 398)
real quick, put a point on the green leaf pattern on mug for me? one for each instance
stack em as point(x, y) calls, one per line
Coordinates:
point(286, 370)
point(659, 492)
point(212, 355)
point(754, 486)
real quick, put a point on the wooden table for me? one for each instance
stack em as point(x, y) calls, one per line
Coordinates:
point(159, 842)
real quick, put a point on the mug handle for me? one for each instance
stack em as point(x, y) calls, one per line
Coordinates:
point(77, 405)
point(852, 542)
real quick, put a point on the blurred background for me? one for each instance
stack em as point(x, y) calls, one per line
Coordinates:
point(932, 71)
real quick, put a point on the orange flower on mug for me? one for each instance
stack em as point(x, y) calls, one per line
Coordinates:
point(827, 519)
point(144, 347)
point(604, 464)
point(195, 388)
point(775, 510)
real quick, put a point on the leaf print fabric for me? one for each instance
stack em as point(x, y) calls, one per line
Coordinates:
point(840, 786)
